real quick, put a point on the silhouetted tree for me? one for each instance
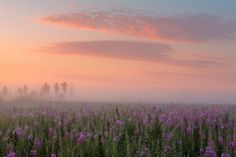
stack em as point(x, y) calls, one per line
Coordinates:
point(56, 88)
point(1, 97)
point(45, 90)
point(25, 90)
point(33, 95)
point(71, 91)
point(19, 91)
point(64, 86)
point(4, 91)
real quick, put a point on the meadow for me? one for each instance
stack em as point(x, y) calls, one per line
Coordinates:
point(112, 130)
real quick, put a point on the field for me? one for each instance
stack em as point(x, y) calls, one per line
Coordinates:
point(97, 130)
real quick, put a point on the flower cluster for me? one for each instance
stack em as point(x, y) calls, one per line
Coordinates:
point(127, 130)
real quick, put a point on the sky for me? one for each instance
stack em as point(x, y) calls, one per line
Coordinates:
point(136, 50)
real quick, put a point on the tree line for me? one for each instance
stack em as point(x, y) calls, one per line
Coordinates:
point(55, 92)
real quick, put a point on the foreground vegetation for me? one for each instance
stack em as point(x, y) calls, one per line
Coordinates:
point(117, 131)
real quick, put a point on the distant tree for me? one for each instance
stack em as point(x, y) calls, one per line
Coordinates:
point(64, 87)
point(56, 88)
point(71, 91)
point(19, 91)
point(33, 95)
point(5, 92)
point(45, 90)
point(1, 97)
point(25, 90)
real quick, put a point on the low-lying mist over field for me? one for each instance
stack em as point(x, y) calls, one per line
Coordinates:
point(69, 92)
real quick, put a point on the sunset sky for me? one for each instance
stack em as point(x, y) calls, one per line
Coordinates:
point(122, 50)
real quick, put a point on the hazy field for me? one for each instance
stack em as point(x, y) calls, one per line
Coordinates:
point(132, 130)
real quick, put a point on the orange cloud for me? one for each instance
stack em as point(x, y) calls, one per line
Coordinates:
point(133, 50)
point(193, 28)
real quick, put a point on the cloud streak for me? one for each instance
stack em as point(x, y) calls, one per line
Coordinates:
point(132, 50)
point(188, 28)
point(128, 50)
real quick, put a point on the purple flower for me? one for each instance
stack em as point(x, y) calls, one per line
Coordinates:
point(189, 129)
point(225, 155)
point(162, 117)
point(53, 155)
point(120, 123)
point(116, 138)
point(167, 136)
point(51, 132)
point(145, 121)
point(66, 134)
point(166, 148)
point(209, 152)
point(33, 153)
point(20, 132)
point(82, 138)
point(11, 154)
point(232, 144)
point(144, 151)
point(221, 139)
point(38, 143)
point(30, 137)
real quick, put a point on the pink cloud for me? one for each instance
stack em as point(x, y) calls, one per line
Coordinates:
point(133, 50)
point(192, 28)
point(129, 50)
